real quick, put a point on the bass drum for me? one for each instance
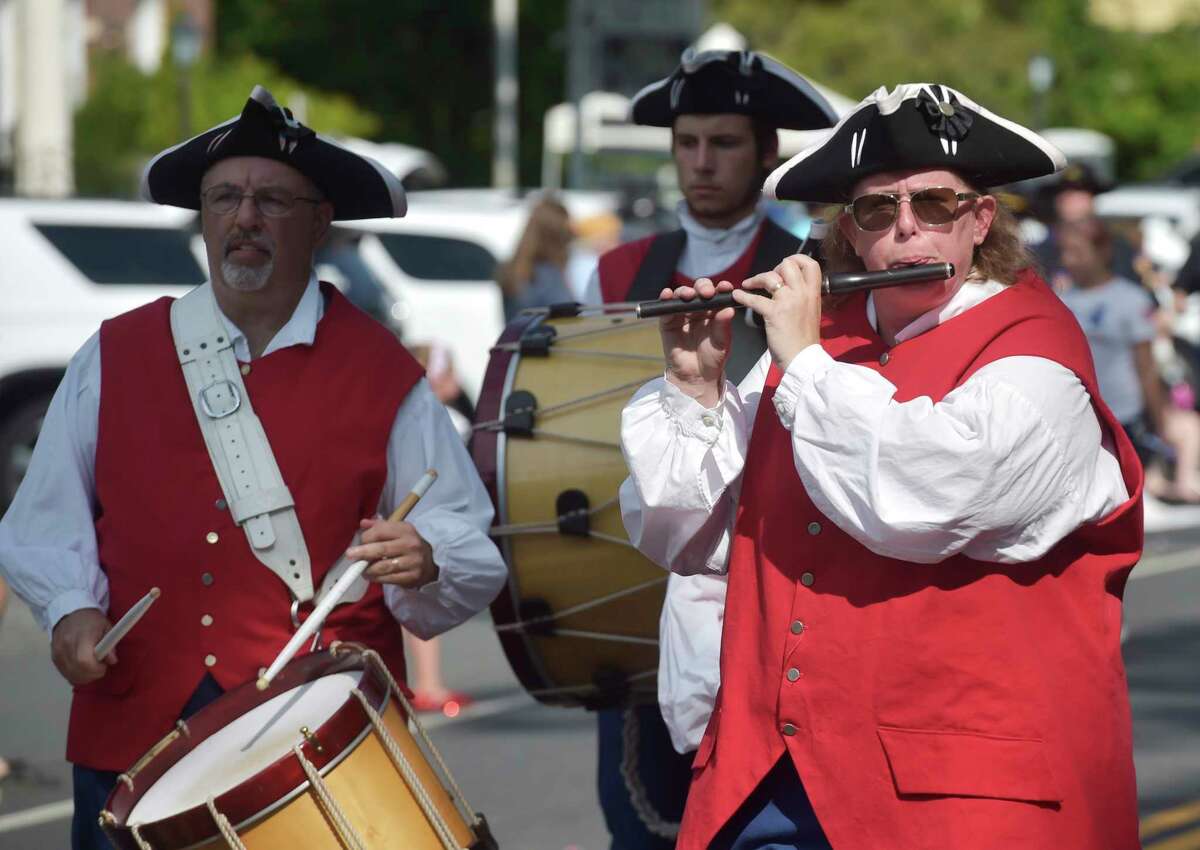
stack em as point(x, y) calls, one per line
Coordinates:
point(578, 619)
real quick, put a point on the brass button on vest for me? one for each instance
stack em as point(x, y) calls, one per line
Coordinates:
point(814, 528)
point(807, 579)
point(212, 537)
point(788, 729)
point(884, 358)
point(793, 674)
point(797, 627)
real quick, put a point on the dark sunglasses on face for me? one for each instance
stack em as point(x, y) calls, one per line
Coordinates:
point(879, 210)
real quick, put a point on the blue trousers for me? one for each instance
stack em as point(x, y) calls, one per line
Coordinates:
point(643, 782)
point(92, 787)
point(777, 816)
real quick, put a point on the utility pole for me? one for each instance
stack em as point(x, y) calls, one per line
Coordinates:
point(44, 165)
point(505, 131)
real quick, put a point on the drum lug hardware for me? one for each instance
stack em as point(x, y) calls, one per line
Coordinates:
point(574, 517)
point(312, 739)
point(520, 409)
point(612, 689)
point(536, 341)
point(166, 741)
point(564, 309)
point(536, 617)
point(483, 834)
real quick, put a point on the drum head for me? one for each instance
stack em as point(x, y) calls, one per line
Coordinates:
point(248, 745)
point(238, 750)
point(579, 617)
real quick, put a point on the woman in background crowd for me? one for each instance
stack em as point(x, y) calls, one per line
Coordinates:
point(536, 274)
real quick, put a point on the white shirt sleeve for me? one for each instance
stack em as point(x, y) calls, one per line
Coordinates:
point(1001, 469)
point(48, 548)
point(453, 517)
point(685, 464)
point(689, 666)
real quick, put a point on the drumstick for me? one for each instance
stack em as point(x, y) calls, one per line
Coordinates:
point(317, 617)
point(109, 642)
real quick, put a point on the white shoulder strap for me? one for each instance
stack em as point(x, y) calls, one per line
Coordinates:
point(258, 498)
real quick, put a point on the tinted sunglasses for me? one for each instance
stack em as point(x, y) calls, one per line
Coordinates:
point(879, 210)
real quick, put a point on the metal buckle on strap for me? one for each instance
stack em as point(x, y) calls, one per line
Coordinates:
point(296, 623)
point(220, 399)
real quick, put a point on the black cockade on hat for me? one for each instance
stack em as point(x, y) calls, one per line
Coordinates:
point(944, 117)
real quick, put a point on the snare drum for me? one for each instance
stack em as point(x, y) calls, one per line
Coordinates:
point(322, 759)
point(579, 617)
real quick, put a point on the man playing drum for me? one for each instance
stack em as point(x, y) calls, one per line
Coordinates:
point(129, 486)
point(723, 108)
point(926, 512)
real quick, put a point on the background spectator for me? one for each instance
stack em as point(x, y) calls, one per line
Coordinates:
point(1068, 201)
point(1118, 317)
point(536, 274)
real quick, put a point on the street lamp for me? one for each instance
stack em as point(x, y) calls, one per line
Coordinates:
point(185, 50)
point(1041, 77)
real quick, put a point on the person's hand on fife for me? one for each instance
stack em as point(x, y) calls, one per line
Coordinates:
point(696, 345)
point(792, 315)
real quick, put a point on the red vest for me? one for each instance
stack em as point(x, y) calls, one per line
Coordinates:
point(328, 411)
point(619, 266)
point(954, 705)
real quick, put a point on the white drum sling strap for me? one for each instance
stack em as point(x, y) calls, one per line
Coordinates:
point(255, 492)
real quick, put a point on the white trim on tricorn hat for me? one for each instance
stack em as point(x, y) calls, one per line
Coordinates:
point(916, 125)
point(733, 81)
point(357, 186)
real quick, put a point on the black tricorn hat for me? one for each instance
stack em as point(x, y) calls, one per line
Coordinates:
point(1079, 176)
point(738, 81)
point(916, 125)
point(357, 186)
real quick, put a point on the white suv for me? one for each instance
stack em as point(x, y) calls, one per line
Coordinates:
point(68, 265)
point(438, 263)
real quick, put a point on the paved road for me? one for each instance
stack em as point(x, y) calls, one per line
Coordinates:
point(531, 769)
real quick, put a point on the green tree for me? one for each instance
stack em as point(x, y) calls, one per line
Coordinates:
point(130, 116)
point(1139, 89)
point(425, 69)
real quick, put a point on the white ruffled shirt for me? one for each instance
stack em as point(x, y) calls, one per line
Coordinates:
point(48, 548)
point(999, 470)
point(689, 627)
